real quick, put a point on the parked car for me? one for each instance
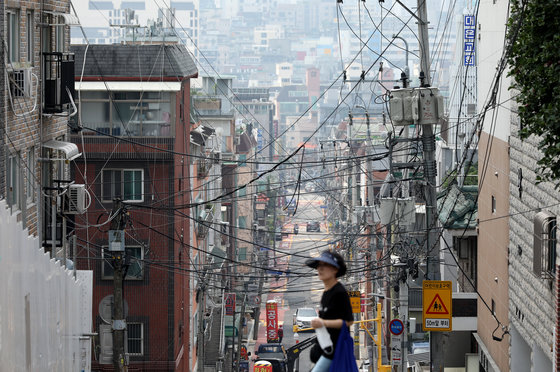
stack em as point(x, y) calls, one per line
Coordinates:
point(302, 318)
point(313, 226)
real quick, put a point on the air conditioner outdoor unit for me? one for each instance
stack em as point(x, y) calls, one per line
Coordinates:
point(75, 199)
point(20, 82)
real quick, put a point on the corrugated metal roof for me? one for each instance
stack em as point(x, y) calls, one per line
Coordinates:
point(134, 61)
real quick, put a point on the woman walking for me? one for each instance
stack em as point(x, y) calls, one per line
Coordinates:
point(335, 305)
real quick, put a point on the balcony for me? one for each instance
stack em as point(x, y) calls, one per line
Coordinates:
point(203, 167)
point(211, 106)
point(128, 113)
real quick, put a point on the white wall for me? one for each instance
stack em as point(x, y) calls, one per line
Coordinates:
point(42, 306)
point(492, 17)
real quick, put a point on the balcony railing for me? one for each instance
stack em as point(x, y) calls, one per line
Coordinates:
point(204, 221)
point(58, 81)
point(203, 167)
point(211, 105)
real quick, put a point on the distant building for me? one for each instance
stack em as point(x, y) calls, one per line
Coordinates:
point(127, 18)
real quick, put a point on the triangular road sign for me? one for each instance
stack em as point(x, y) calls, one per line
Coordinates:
point(437, 307)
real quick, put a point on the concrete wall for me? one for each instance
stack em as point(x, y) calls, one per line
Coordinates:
point(43, 309)
point(493, 173)
point(532, 307)
point(493, 242)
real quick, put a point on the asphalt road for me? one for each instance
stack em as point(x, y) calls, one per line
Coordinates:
point(303, 289)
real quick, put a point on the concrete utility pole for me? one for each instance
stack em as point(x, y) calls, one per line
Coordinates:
point(116, 247)
point(240, 332)
point(201, 310)
point(429, 146)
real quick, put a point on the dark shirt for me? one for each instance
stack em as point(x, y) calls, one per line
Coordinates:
point(335, 304)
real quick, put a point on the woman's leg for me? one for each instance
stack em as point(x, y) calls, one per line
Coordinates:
point(322, 365)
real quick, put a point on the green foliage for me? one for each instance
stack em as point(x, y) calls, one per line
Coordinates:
point(535, 66)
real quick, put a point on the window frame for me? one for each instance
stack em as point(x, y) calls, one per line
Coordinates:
point(13, 187)
point(30, 36)
point(242, 253)
point(138, 121)
point(14, 53)
point(30, 175)
point(544, 245)
point(141, 339)
point(59, 34)
point(122, 182)
point(109, 276)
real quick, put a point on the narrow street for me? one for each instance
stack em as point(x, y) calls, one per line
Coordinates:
point(301, 288)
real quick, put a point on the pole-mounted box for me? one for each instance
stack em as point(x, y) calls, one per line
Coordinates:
point(116, 240)
point(422, 106)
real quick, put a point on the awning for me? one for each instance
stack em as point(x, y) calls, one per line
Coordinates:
point(207, 131)
point(69, 149)
point(67, 18)
point(197, 138)
point(70, 19)
point(129, 86)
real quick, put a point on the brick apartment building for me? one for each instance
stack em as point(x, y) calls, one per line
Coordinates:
point(135, 113)
point(36, 101)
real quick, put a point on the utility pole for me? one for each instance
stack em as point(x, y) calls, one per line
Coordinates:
point(429, 146)
point(201, 306)
point(117, 249)
point(240, 332)
point(370, 205)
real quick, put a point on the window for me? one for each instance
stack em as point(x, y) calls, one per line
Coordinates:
point(135, 338)
point(30, 169)
point(133, 258)
point(242, 159)
point(544, 244)
point(242, 254)
point(13, 181)
point(126, 184)
point(13, 35)
point(128, 113)
point(59, 34)
point(46, 34)
point(29, 36)
point(242, 222)
point(242, 192)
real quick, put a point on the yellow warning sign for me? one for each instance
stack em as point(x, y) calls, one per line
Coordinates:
point(355, 301)
point(436, 305)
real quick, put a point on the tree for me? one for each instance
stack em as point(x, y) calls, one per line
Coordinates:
point(535, 66)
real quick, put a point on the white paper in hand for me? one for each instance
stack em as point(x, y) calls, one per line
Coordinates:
point(324, 339)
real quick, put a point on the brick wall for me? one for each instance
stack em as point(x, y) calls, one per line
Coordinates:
point(2, 110)
point(533, 300)
point(25, 128)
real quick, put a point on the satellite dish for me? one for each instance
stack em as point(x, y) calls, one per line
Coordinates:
point(106, 309)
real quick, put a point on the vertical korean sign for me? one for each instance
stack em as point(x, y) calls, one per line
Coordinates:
point(271, 321)
point(230, 303)
point(230, 330)
point(469, 32)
